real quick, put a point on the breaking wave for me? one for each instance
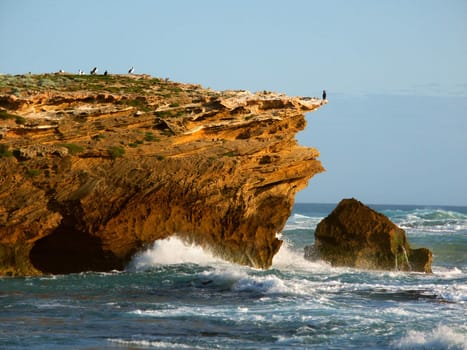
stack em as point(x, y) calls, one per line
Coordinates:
point(442, 337)
point(171, 251)
point(429, 220)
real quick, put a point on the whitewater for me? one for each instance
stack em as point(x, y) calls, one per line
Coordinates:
point(178, 296)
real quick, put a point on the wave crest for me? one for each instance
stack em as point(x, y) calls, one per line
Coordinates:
point(171, 251)
point(442, 337)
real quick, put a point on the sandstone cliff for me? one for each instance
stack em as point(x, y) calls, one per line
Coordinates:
point(94, 168)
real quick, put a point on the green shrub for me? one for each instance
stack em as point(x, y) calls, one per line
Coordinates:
point(149, 137)
point(98, 137)
point(4, 115)
point(33, 172)
point(4, 151)
point(163, 114)
point(72, 148)
point(20, 120)
point(229, 154)
point(116, 152)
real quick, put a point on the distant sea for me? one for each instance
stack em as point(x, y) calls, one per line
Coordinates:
point(175, 296)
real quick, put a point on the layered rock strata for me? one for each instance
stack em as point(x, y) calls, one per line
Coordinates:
point(355, 235)
point(95, 168)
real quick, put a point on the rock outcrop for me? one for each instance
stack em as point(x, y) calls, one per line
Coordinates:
point(95, 168)
point(355, 235)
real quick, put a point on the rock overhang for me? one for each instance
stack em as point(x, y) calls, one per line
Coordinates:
point(220, 169)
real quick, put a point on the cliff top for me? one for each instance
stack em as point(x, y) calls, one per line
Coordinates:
point(83, 108)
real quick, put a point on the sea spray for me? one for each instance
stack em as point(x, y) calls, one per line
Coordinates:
point(442, 337)
point(172, 250)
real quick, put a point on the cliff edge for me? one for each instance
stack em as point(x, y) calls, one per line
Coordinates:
point(95, 168)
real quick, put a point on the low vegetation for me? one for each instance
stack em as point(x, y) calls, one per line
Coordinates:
point(72, 148)
point(133, 87)
point(116, 152)
point(33, 172)
point(4, 151)
point(4, 115)
point(149, 137)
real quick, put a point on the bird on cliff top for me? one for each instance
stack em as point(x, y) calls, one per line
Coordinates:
point(94, 71)
point(324, 94)
point(131, 70)
point(105, 73)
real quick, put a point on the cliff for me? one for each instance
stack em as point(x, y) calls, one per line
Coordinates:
point(95, 168)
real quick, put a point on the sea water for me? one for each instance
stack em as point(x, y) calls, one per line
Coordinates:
point(175, 296)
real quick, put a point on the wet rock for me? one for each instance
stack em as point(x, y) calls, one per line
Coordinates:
point(355, 235)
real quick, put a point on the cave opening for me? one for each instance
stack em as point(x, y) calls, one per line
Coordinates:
point(68, 250)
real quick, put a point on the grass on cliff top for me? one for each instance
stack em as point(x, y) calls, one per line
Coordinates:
point(142, 85)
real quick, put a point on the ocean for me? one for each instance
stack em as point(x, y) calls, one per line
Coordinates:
point(175, 296)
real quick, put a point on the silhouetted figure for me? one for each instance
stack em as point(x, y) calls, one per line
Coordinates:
point(324, 94)
point(131, 70)
point(105, 73)
point(94, 71)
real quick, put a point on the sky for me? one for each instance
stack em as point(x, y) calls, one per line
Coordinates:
point(395, 71)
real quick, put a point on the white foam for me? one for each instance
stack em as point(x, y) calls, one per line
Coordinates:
point(174, 312)
point(224, 312)
point(262, 284)
point(398, 311)
point(226, 272)
point(447, 273)
point(172, 251)
point(151, 344)
point(431, 221)
point(289, 259)
point(301, 222)
point(442, 337)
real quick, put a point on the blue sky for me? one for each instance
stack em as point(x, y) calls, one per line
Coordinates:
point(395, 128)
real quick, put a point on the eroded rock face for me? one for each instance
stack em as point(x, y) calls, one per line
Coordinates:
point(355, 235)
point(96, 168)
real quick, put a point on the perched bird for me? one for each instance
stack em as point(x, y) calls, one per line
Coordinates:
point(324, 94)
point(94, 71)
point(105, 73)
point(131, 70)
point(61, 71)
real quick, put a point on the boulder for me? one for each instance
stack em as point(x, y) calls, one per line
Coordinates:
point(355, 235)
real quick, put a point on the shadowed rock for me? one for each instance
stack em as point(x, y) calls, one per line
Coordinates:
point(355, 235)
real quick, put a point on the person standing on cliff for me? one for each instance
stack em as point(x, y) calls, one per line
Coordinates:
point(324, 94)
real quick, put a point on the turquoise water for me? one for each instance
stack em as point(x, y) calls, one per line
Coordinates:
point(175, 296)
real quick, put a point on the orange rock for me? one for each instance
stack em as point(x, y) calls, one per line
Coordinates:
point(104, 166)
point(355, 235)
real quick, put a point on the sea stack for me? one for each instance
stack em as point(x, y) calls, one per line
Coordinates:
point(355, 235)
